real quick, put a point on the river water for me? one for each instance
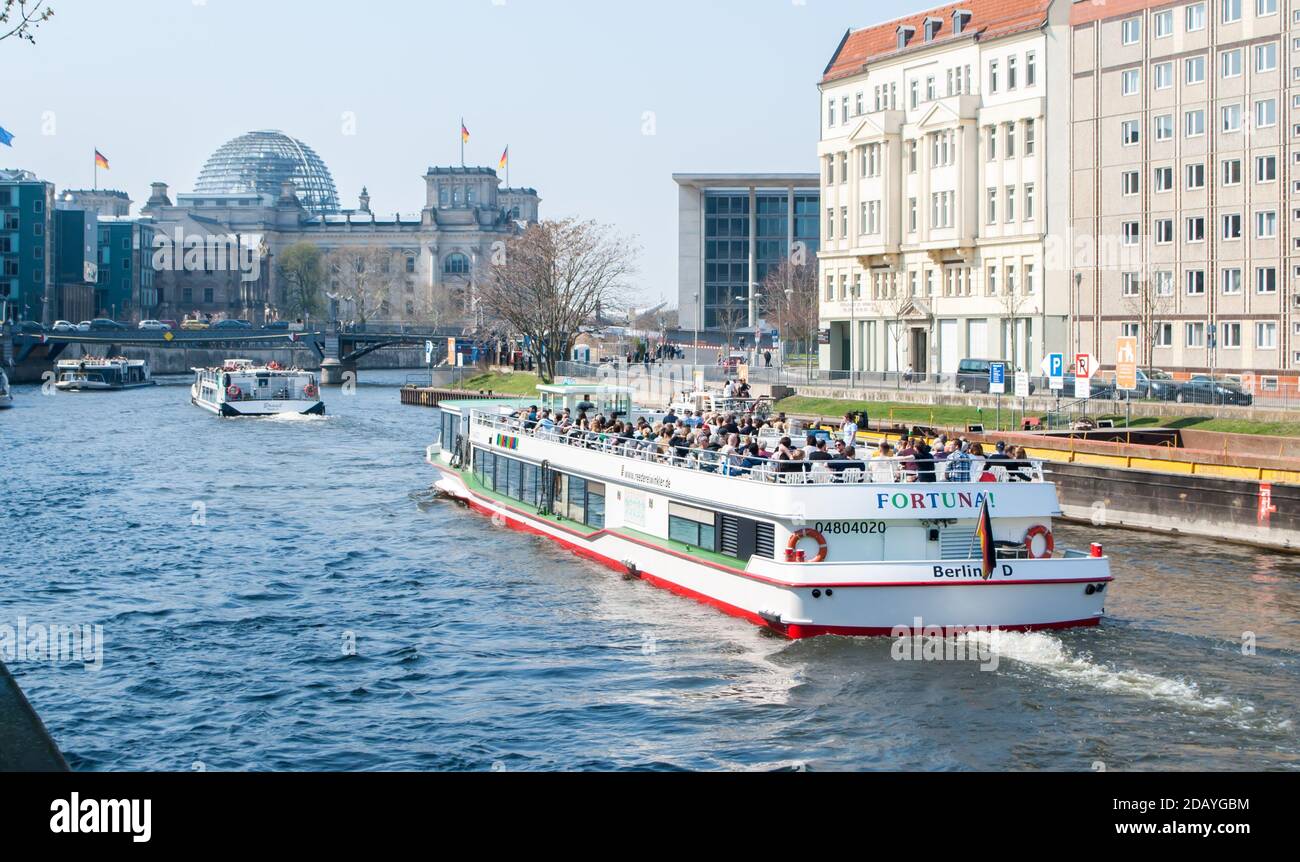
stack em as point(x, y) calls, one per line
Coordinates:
point(288, 595)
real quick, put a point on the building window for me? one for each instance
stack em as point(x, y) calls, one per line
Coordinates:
point(1164, 335)
point(993, 76)
point(1230, 281)
point(1266, 279)
point(1129, 133)
point(1164, 76)
point(1194, 70)
point(991, 142)
point(1196, 176)
point(1131, 233)
point(1132, 30)
point(1164, 23)
point(1194, 123)
point(1030, 137)
point(911, 215)
point(1266, 335)
point(1031, 73)
point(1232, 172)
point(1265, 169)
point(1266, 57)
point(1164, 127)
point(1230, 63)
point(830, 113)
point(1266, 224)
point(1164, 179)
point(1231, 335)
point(1011, 141)
point(1195, 282)
point(1010, 204)
point(456, 264)
point(1231, 11)
point(1232, 226)
point(1131, 283)
point(1196, 229)
point(1164, 231)
point(992, 206)
point(1029, 201)
point(1195, 17)
point(1231, 115)
point(1195, 335)
point(1129, 82)
point(1265, 7)
point(1164, 280)
point(1130, 183)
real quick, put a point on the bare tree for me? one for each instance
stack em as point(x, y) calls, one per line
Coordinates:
point(893, 308)
point(731, 317)
point(791, 293)
point(1151, 309)
point(365, 278)
point(20, 18)
point(1013, 302)
point(302, 276)
point(552, 279)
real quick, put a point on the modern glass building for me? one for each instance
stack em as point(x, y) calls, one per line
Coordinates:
point(26, 246)
point(261, 162)
point(730, 225)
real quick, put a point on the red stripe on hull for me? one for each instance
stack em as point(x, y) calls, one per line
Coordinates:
point(793, 631)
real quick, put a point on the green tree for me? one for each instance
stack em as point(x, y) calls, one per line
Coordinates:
point(302, 274)
point(20, 18)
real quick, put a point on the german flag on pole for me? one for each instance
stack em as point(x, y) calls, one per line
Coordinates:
point(984, 532)
point(100, 161)
point(464, 133)
point(505, 159)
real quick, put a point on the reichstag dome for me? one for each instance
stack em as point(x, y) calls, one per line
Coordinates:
point(261, 162)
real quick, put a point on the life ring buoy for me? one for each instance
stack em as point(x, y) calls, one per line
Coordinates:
point(807, 533)
point(1049, 542)
point(233, 392)
point(310, 390)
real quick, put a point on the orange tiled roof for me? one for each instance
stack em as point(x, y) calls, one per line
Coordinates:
point(989, 18)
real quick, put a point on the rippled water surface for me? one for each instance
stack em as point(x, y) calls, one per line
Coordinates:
point(229, 563)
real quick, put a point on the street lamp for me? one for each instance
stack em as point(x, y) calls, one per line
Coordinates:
point(695, 359)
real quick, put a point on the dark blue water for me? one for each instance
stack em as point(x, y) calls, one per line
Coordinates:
point(480, 648)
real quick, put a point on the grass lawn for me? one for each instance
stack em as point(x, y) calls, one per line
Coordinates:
point(521, 383)
point(957, 416)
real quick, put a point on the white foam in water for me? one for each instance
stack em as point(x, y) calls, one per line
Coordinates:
point(295, 417)
point(1049, 654)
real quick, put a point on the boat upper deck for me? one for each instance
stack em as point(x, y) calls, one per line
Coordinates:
point(743, 467)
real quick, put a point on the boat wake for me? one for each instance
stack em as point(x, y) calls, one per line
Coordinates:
point(1049, 654)
point(295, 417)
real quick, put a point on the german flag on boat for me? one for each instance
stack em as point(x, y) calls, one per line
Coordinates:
point(984, 532)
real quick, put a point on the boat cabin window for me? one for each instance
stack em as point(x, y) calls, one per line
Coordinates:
point(691, 526)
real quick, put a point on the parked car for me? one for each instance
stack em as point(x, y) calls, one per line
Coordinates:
point(231, 324)
point(1155, 385)
point(973, 376)
point(30, 327)
point(83, 326)
point(1101, 389)
point(194, 326)
point(1204, 389)
point(277, 325)
point(171, 324)
point(63, 326)
point(154, 326)
point(103, 324)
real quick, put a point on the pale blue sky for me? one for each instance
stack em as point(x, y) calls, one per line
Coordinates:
point(158, 85)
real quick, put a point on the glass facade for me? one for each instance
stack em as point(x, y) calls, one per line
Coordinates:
point(261, 161)
point(726, 246)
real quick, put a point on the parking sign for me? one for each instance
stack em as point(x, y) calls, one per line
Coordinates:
point(1054, 370)
point(997, 378)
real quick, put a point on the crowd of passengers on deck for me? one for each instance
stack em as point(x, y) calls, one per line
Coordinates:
point(765, 448)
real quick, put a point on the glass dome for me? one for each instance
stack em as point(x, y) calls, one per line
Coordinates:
point(261, 162)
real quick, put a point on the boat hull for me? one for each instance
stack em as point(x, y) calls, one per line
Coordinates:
point(803, 601)
point(261, 409)
point(90, 386)
point(6, 401)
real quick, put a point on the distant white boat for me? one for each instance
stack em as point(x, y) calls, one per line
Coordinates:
point(243, 388)
point(6, 397)
point(90, 374)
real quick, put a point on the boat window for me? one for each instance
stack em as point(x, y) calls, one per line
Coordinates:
point(691, 526)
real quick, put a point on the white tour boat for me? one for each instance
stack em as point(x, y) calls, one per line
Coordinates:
point(6, 397)
point(842, 549)
point(243, 388)
point(90, 374)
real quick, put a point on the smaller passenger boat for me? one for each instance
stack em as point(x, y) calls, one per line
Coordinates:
point(242, 388)
point(92, 374)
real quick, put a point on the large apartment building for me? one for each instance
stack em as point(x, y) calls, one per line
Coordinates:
point(1185, 129)
point(937, 190)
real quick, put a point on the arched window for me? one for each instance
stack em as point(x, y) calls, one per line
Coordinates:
point(456, 264)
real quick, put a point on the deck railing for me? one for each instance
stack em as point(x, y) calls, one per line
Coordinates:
point(886, 471)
